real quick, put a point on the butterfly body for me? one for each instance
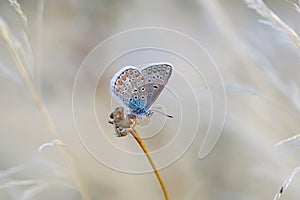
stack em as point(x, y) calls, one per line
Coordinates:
point(138, 89)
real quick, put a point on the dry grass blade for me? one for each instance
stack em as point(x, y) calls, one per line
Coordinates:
point(296, 3)
point(287, 182)
point(52, 143)
point(39, 186)
point(290, 139)
point(15, 183)
point(261, 8)
point(28, 56)
point(235, 87)
point(39, 39)
point(289, 90)
point(9, 73)
point(234, 40)
point(7, 37)
point(18, 9)
point(34, 190)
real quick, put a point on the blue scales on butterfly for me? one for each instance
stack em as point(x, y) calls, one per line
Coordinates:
point(139, 89)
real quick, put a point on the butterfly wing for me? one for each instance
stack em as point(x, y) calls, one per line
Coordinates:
point(156, 76)
point(126, 86)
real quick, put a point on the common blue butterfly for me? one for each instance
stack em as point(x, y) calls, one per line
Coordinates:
point(138, 89)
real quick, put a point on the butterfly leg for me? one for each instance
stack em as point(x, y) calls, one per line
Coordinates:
point(149, 113)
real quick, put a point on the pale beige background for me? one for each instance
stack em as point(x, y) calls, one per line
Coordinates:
point(243, 165)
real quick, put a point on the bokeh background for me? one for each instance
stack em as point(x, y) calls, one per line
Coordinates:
point(258, 64)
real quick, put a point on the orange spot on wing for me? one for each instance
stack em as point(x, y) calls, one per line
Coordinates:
point(119, 82)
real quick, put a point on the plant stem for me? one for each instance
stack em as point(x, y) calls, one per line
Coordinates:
point(143, 146)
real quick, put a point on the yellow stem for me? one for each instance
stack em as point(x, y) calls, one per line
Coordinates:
point(143, 146)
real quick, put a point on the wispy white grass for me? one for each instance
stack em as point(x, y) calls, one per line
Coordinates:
point(13, 43)
point(234, 40)
point(39, 39)
point(289, 90)
point(286, 183)
point(52, 143)
point(25, 49)
point(18, 9)
point(9, 74)
point(13, 170)
point(288, 140)
point(234, 87)
point(261, 8)
point(13, 46)
point(296, 3)
point(45, 176)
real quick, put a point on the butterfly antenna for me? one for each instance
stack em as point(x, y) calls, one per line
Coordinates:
point(170, 116)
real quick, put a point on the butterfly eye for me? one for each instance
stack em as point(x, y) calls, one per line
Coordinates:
point(135, 90)
point(149, 80)
point(142, 97)
point(153, 77)
point(130, 99)
point(135, 97)
point(155, 87)
point(142, 89)
point(132, 79)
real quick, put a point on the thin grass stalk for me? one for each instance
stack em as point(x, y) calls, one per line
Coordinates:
point(261, 8)
point(144, 148)
point(68, 159)
point(18, 9)
point(26, 36)
point(38, 47)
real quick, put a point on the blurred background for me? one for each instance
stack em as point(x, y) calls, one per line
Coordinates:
point(257, 64)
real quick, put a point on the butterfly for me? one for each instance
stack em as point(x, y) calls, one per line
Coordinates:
point(138, 89)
